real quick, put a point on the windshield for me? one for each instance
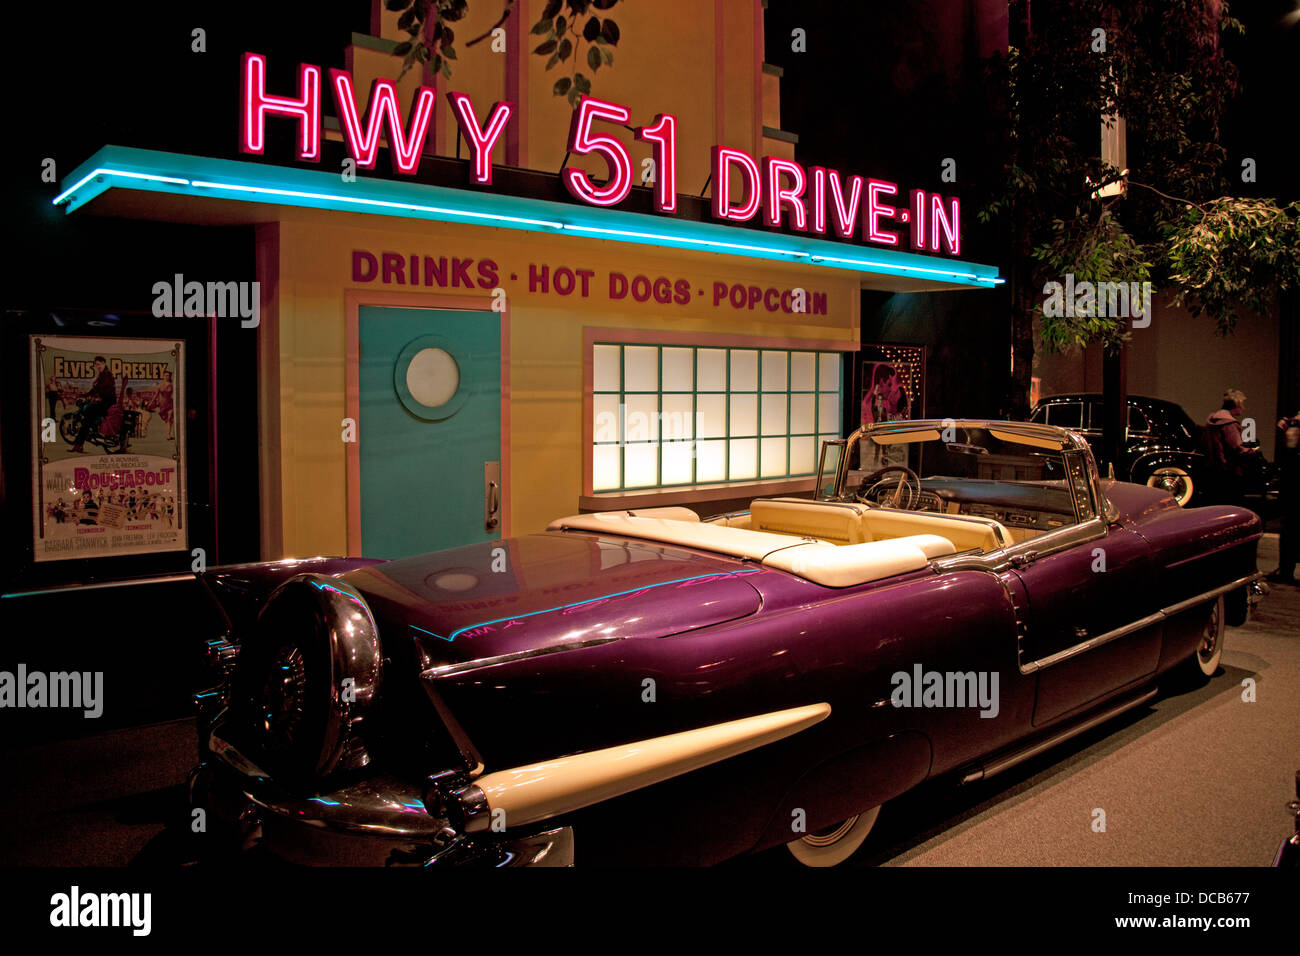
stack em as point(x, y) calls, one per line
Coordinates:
point(958, 451)
point(1032, 478)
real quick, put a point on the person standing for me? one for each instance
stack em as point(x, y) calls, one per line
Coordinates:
point(166, 410)
point(1288, 459)
point(1221, 441)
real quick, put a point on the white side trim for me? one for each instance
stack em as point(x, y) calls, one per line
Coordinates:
point(544, 790)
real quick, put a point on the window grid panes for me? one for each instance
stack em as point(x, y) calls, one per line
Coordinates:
point(665, 416)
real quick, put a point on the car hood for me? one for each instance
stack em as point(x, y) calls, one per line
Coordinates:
point(546, 591)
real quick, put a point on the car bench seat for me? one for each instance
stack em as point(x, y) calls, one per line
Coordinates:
point(834, 521)
point(849, 523)
point(965, 533)
point(814, 560)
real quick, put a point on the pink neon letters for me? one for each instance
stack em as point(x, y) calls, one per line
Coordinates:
point(775, 195)
point(582, 141)
point(404, 147)
point(663, 137)
point(255, 104)
point(724, 157)
point(786, 193)
point(480, 139)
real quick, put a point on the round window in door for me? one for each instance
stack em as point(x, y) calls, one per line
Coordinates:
point(427, 378)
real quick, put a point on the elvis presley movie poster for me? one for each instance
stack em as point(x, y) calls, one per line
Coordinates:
point(108, 431)
point(892, 390)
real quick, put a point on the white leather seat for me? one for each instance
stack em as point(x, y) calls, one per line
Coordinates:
point(837, 522)
point(859, 563)
point(849, 523)
point(965, 533)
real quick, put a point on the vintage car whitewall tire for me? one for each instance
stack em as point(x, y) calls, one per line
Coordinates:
point(1208, 652)
point(1178, 478)
point(836, 844)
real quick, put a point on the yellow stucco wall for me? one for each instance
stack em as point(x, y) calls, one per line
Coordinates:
point(671, 57)
point(313, 257)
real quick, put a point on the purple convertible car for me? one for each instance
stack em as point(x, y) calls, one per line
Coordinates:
point(650, 687)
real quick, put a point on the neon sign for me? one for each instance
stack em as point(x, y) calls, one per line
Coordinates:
point(787, 194)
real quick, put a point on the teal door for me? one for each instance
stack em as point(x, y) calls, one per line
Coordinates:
point(430, 429)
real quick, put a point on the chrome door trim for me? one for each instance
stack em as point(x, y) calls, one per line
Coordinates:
point(445, 670)
point(1092, 643)
point(1212, 594)
point(1156, 618)
point(1025, 552)
point(984, 771)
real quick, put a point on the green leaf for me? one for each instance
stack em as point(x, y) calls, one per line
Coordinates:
point(560, 25)
point(566, 47)
point(581, 83)
point(406, 19)
point(591, 29)
point(593, 58)
point(573, 97)
point(402, 49)
point(545, 48)
point(446, 69)
point(448, 35)
point(561, 86)
point(606, 54)
point(448, 52)
point(609, 32)
point(542, 27)
point(555, 58)
point(552, 8)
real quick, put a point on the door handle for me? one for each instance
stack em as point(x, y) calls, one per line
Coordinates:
point(491, 495)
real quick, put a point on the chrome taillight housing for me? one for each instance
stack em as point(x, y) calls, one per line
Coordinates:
point(306, 678)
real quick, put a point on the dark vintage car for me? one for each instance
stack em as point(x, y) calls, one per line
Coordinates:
point(647, 687)
point(1162, 444)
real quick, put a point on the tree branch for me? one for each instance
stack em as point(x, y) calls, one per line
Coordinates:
point(1133, 182)
point(505, 15)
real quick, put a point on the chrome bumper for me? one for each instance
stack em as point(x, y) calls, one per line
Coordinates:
point(380, 821)
point(1256, 591)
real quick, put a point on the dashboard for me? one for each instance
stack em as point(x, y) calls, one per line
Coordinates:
point(1034, 507)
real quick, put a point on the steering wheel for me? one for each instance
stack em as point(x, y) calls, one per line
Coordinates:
point(905, 495)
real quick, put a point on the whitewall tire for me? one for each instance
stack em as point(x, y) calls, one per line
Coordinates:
point(836, 844)
point(1210, 650)
point(1174, 480)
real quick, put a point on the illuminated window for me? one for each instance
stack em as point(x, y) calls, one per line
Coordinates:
point(665, 415)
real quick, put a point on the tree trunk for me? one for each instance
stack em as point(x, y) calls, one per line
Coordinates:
point(1022, 346)
point(1114, 403)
